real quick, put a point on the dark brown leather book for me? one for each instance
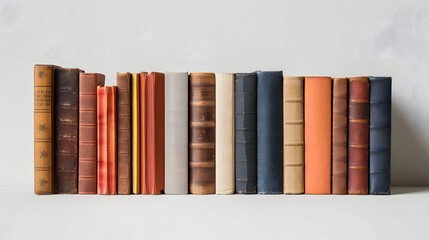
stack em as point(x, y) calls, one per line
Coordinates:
point(123, 81)
point(202, 133)
point(66, 129)
point(44, 92)
point(358, 135)
point(88, 83)
point(339, 135)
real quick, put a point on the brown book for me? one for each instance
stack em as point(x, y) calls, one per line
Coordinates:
point(44, 92)
point(88, 83)
point(202, 133)
point(339, 135)
point(66, 129)
point(358, 135)
point(123, 80)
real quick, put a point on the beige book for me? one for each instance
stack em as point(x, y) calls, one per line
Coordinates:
point(293, 135)
point(225, 177)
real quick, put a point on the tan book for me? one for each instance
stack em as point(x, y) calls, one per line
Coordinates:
point(225, 178)
point(293, 135)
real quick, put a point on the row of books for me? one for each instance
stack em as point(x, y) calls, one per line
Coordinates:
point(207, 133)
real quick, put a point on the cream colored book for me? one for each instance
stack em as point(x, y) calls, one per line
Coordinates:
point(225, 171)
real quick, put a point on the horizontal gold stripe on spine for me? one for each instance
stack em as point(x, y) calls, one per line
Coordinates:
point(202, 145)
point(202, 124)
point(293, 122)
point(202, 104)
point(293, 164)
point(358, 120)
point(202, 164)
point(294, 144)
point(358, 146)
point(358, 101)
point(358, 168)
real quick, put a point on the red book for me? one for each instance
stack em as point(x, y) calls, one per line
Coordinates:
point(143, 107)
point(106, 140)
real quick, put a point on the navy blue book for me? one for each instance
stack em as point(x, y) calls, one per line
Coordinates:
point(270, 132)
point(380, 97)
point(245, 133)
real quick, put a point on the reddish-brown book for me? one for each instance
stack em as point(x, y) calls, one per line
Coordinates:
point(317, 105)
point(106, 140)
point(358, 135)
point(88, 83)
point(143, 136)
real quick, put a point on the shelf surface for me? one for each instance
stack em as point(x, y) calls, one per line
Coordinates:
point(402, 215)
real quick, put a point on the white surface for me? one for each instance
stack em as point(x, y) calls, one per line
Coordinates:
point(28, 216)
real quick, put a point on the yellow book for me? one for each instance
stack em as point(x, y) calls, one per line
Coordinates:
point(135, 113)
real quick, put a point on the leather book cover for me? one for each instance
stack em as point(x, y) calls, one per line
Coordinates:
point(245, 133)
point(293, 135)
point(88, 83)
point(270, 132)
point(202, 133)
point(143, 134)
point(358, 135)
point(66, 129)
point(123, 81)
point(44, 109)
point(135, 113)
point(317, 134)
point(106, 140)
point(176, 133)
point(155, 120)
point(339, 135)
point(380, 123)
point(224, 137)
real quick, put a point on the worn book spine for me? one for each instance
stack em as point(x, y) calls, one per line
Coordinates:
point(123, 81)
point(339, 135)
point(143, 134)
point(202, 133)
point(88, 83)
point(176, 133)
point(245, 133)
point(66, 129)
point(270, 132)
point(317, 117)
point(358, 135)
point(135, 105)
point(380, 97)
point(106, 140)
point(44, 109)
point(224, 137)
point(293, 135)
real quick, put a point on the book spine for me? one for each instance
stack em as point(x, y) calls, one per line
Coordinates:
point(339, 135)
point(135, 98)
point(293, 135)
point(176, 133)
point(224, 136)
point(202, 133)
point(88, 83)
point(123, 81)
point(270, 132)
point(317, 116)
point(44, 92)
point(358, 135)
point(380, 134)
point(66, 126)
point(245, 133)
point(143, 134)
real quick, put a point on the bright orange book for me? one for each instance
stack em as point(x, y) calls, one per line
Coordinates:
point(317, 106)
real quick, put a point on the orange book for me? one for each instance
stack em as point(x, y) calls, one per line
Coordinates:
point(143, 136)
point(317, 123)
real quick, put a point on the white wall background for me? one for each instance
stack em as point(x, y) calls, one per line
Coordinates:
point(333, 38)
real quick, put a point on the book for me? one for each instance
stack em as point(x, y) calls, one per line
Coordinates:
point(123, 81)
point(176, 133)
point(224, 137)
point(106, 140)
point(66, 129)
point(317, 135)
point(155, 151)
point(380, 123)
point(143, 134)
point(245, 133)
point(270, 132)
point(135, 119)
point(44, 115)
point(88, 83)
point(202, 133)
point(339, 135)
point(358, 135)
point(293, 135)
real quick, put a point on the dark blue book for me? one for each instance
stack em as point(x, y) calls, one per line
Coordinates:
point(270, 132)
point(380, 97)
point(245, 133)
